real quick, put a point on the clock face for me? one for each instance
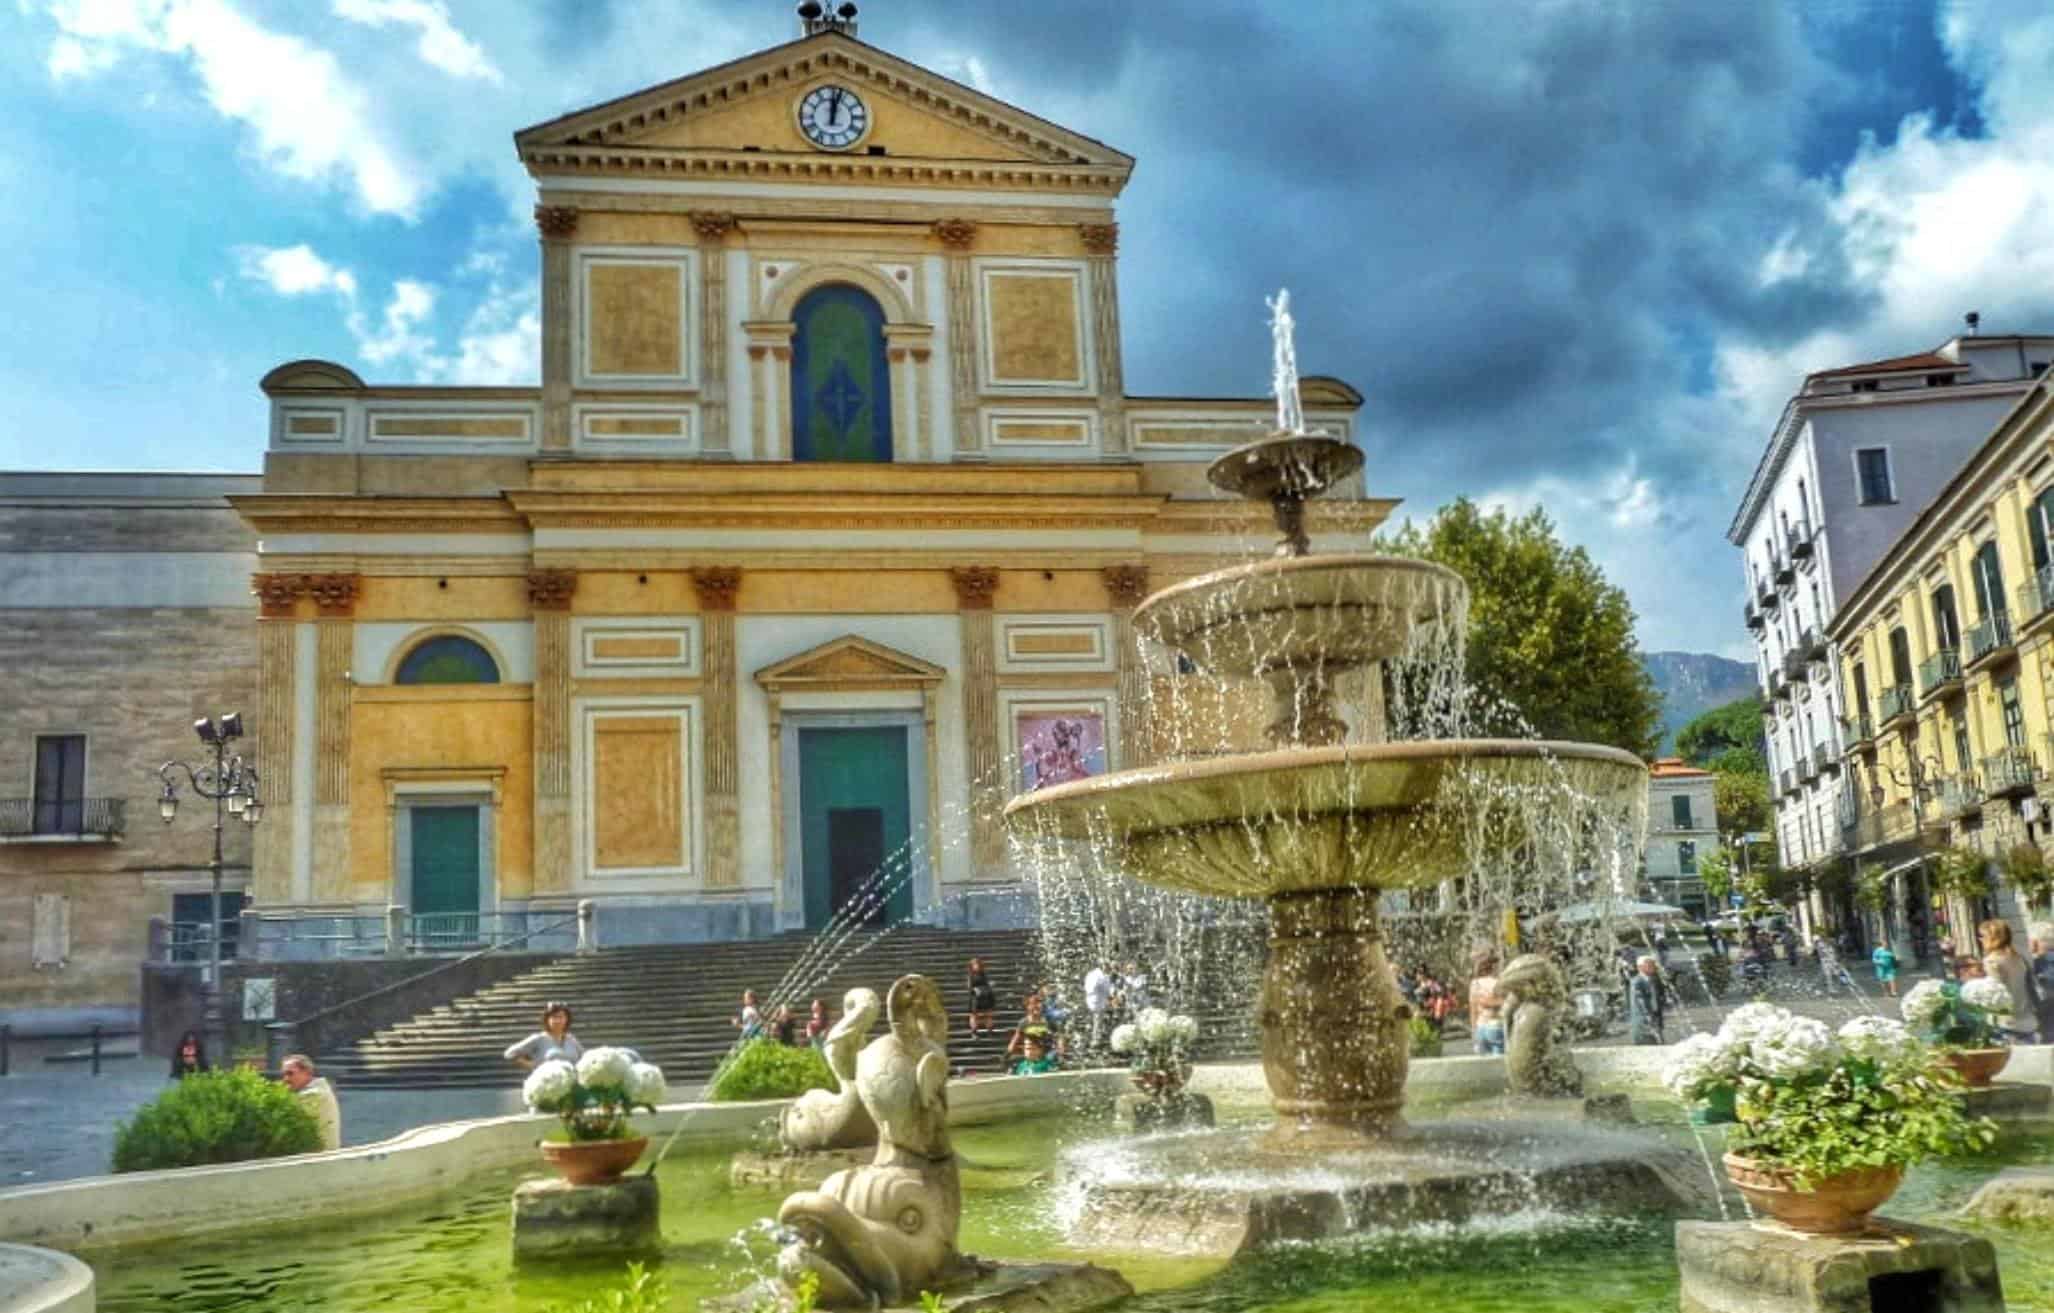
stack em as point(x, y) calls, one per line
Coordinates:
point(834, 117)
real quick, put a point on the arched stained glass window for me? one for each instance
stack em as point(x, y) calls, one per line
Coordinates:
point(841, 383)
point(447, 659)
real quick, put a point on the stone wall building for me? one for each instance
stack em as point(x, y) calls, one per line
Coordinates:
point(125, 614)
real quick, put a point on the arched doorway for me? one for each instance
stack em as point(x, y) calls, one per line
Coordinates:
point(841, 377)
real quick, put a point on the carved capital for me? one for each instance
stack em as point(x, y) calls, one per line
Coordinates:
point(277, 593)
point(717, 586)
point(780, 353)
point(920, 354)
point(975, 586)
point(758, 352)
point(556, 223)
point(1125, 584)
point(1100, 238)
point(712, 225)
point(955, 234)
point(897, 355)
point(550, 590)
point(334, 594)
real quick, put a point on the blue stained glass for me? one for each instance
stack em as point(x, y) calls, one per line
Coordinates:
point(841, 381)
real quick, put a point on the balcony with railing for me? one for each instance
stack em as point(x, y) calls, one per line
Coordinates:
point(2008, 773)
point(1812, 643)
point(1801, 548)
point(1767, 596)
point(1825, 759)
point(1751, 616)
point(1958, 795)
point(1807, 769)
point(1780, 567)
point(1893, 704)
point(1881, 825)
point(2035, 601)
point(1857, 731)
point(1779, 684)
point(64, 820)
point(1940, 673)
point(1795, 668)
point(1990, 638)
point(1786, 781)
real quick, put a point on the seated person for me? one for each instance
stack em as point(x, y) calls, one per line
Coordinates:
point(1038, 1060)
point(1034, 1025)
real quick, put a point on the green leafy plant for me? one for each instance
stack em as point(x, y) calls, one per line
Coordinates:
point(1426, 1041)
point(215, 1117)
point(1961, 872)
point(1716, 970)
point(1716, 870)
point(1872, 888)
point(1958, 1014)
point(1858, 1112)
point(930, 1301)
point(640, 1291)
point(766, 1069)
point(2027, 871)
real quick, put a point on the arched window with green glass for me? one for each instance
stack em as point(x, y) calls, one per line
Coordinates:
point(447, 659)
point(841, 381)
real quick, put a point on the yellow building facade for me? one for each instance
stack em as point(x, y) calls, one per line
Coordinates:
point(1948, 665)
point(816, 541)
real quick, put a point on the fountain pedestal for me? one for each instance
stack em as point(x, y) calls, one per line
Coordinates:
point(552, 1218)
point(1753, 1267)
point(1335, 1045)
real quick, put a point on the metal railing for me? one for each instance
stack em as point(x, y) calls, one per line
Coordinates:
point(1779, 686)
point(1959, 793)
point(2036, 594)
point(1767, 596)
point(1780, 567)
point(1795, 667)
point(1825, 757)
point(1801, 543)
point(1751, 616)
point(1884, 825)
point(1807, 769)
point(1943, 667)
point(1857, 729)
point(73, 818)
point(2008, 771)
point(1786, 780)
point(1893, 702)
point(1989, 635)
point(457, 932)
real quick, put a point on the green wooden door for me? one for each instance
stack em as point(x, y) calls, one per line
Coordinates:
point(854, 820)
point(445, 874)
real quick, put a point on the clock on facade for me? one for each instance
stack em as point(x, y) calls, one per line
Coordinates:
point(833, 117)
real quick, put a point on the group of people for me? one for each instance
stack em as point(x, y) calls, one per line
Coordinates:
point(296, 1073)
point(782, 1025)
point(1111, 995)
point(2028, 979)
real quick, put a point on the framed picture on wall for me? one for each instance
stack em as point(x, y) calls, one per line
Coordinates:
point(1056, 742)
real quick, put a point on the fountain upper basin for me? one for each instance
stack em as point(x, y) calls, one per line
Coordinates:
point(1300, 611)
point(1258, 824)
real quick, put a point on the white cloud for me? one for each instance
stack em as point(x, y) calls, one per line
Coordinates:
point(294, 271)
point(309, 119)
point(398, 335)
point(439, 43)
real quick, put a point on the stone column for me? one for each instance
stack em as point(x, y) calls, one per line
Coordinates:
point(717, 586)
point(335, 602)
point(557, 224)
point(1102, 244)
point(549, 595)
point(713, 229)
point(1125, 586)
point(975, 587)
point(958, 237)
point(770, 359)
point(277, 701)
point(906, 346)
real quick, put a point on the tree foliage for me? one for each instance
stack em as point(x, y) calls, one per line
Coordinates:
point(1742, 800)
point(215, 1117)
point(1547, 632)
point(1726, 738)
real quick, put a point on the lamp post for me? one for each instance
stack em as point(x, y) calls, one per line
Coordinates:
point(231, 783)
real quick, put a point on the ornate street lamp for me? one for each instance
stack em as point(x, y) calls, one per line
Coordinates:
point(231, 783)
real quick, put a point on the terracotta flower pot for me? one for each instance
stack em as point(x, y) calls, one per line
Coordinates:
point(1834, 1206)
point(593, 1162)
point(1978, 1067)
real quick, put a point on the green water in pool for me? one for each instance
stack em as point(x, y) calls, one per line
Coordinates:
point(452, 1255)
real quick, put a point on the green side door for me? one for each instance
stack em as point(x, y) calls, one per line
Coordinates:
point(445, 874)
point(854, 821)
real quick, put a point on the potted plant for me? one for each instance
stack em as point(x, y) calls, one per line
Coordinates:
point(2026, 870)
point(1965, 1021)
point(1157, 1047)
point(593, 1100)
point(1825, 1123)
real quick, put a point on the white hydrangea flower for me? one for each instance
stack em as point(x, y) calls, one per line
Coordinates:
point(1699, 1062)
point(1154, 1025)
point(1877, 1039)
point(548, 1085)
point(605, 1068)
point(1989, 995)
point(645, 1084)
point(1184, 1028)
point(1801, 1047)
point(1924, 1004)
point(1743, 1023)
point(1123, 1038)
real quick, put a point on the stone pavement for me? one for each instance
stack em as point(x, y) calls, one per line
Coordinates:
point(57, 1122)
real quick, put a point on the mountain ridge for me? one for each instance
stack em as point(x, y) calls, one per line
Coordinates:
point(1692, 683)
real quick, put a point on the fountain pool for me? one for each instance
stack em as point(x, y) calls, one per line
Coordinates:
point(451, 1256)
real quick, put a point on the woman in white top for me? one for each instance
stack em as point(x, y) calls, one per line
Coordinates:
point(2004, 964)
point(554, 1040)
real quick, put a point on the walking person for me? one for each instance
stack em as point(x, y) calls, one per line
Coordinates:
point(554, 1040)
point(2040, 944)
point(297, 1071)
point(983, 1000)
point(190, 1057)
point(2008, 967)
point(1098, 998)
point(1644, 1002)
point(1885, 961)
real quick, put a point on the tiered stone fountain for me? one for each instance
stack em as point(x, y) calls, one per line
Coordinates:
point(1320, 826)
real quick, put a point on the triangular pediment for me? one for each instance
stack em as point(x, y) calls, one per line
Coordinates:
point(850, 661)
point(749, 106)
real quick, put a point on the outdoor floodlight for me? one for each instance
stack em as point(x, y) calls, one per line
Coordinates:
point(205, 729)
point(231, 726)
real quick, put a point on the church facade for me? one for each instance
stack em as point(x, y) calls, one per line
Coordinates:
point(816, 541)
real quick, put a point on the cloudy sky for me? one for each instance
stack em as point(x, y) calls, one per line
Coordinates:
point(1576, 252)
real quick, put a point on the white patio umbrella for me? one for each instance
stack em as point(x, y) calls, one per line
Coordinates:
point(1618, 909)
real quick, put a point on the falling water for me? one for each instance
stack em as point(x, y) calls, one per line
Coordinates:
point(1284, 357)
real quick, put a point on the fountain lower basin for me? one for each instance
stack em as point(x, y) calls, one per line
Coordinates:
point(1351, 816)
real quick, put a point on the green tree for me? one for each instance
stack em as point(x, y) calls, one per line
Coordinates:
point(1742, 800)
point(1727, 737)
point(1547, 632)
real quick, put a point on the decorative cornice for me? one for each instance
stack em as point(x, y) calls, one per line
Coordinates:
point(1125, 584)
point(975, 586)
point(550, 590)
point(955, 234)
point(277, 594)
point(712, 225)
point(1025, 177)
point(716, 586)
point(334, 594)
point(556, 223)
point(1100, 238)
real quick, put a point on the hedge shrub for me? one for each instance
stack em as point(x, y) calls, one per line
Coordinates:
point(766, 1069)
point(215, 1117)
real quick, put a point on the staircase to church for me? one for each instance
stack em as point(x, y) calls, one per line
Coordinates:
point(673, 1004)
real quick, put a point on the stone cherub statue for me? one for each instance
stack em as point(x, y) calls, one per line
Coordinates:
point(1537, 1060)
point(881, 1234)
point(823, 1119)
